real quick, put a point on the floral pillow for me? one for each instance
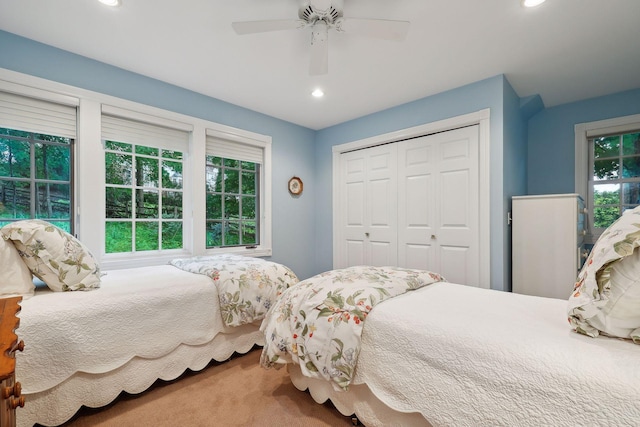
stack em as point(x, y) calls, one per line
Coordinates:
point(15, 277)
point(606, 297)
point(53, 255)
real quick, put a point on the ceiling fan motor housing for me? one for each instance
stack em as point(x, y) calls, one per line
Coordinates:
point(312, 11)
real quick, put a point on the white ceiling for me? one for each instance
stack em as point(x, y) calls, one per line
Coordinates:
point(563, 50)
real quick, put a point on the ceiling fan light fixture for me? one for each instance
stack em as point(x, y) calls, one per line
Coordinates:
point(317, 93)
point(532, 3)
point(112, 3)
point(321, 16)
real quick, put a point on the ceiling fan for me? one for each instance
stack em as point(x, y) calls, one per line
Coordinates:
point(321, 16)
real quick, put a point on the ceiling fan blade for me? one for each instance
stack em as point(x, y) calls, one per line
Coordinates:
point(378, 28)
point(319, 49)
point(251, 27)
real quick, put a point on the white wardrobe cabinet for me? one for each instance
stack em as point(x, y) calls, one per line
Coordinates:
point(547, 244)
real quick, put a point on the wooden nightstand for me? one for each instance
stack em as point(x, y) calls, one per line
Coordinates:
point(10, 390)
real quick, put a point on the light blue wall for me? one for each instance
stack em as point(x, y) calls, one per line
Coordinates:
point(551, 157)
point(303, 226)
point(489, 93)
point(515, 159)
point(292, 150)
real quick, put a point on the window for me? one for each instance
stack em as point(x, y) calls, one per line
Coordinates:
point(36, 155)
point(234, 179)
point(143, 198)
point(40, 191)
point(130, 180)
point(232, 202)
point(616, 176)
point(608, 169)
point(143, 186)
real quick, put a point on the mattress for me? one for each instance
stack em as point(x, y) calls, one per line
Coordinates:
point(450, 354)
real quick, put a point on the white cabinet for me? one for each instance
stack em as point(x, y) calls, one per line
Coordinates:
point(547, 244)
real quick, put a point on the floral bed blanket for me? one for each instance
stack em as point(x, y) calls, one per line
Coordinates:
point(318, 323)
point(247, 287)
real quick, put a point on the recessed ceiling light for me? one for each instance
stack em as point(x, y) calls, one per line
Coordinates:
point(532, 3)
point(318, 93)
point(110, 2)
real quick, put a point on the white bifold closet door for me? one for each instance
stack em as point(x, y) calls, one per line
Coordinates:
point(438, 206)
point(369, 206)
point(414, 204)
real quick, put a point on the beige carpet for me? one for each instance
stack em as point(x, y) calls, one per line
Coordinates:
point(237, 392)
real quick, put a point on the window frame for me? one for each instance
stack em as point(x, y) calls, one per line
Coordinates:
point(224, 193)
point(263, 248)
point(134, 220)
point(583, 158)
point(33, 181)
point(89, 188)
point(62, 99)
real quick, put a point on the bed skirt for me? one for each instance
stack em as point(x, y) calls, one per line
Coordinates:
point(58, 404)
point(359, 401)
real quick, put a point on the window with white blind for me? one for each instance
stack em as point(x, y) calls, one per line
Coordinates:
point(144, 189)
point(233, 188)
point(608, 169)
point(130, 180)
point(37, 136)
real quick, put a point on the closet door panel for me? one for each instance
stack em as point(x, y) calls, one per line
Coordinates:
point(382, 253)
point(438, 204)
point(454, 262)
point(352, 208)
point(368, 207)
point(381, 212)
point(419, 256)
point(416, 208)
point(354, 252)
point(458, 215)
point(381, 218)
point(354, 202)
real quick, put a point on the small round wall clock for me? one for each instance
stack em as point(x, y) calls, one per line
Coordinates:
point(295, 186)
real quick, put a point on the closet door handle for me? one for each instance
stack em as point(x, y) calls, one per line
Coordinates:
point(366, 235)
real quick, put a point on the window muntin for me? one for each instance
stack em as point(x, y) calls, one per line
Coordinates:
point(143, 198)
point(232, 202)
point(615, 168)
point(36, 178)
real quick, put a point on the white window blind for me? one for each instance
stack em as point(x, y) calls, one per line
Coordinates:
point(235, 150)
point(36, 115)
point(140, 133)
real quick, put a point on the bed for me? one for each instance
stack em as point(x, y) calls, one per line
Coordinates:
point(90, 335)
point(446, 354)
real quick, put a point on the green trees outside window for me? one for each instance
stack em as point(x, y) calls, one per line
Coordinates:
point(616, 172)
point(143, 198)
point(232, 205)
point(35, 178)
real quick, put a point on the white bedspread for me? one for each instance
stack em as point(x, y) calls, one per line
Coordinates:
point(465, 356)
point(59, 328)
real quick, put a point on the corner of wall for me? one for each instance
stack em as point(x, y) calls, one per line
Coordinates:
point(530, 106)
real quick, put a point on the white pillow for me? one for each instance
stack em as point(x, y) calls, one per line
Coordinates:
point(15, 277)
point(620, 316)
point(53, 255)
point(606, 296)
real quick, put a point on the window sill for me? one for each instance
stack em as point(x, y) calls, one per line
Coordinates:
point(122, 261)
point(254, 252)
